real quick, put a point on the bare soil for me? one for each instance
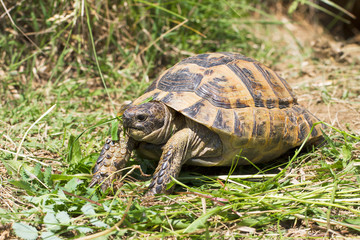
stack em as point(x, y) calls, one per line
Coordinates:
point(326, 80)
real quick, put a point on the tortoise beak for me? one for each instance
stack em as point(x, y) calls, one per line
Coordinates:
point(129, 122)
point(127, 117)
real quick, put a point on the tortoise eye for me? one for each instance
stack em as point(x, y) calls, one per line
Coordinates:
point(141, 117)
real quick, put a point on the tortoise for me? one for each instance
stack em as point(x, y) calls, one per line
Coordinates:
point(207, 110)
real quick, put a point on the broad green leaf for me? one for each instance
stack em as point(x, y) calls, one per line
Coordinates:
point(51, 223)
point(48, 208)
point(71, 185)
point(200, 222)
point(37, 171)
point(25, 231)
point(47, 176)
point(23, 185)
point(73, 208)
point(59, 201)
point(12, 166)
point(61, 194)
point(346, 153)
point(63, 218)
point(74, 150)
point(98, 223)
point(88, 210)
point(35, 200)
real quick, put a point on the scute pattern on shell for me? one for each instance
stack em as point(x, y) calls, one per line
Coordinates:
point(220, 81)
point(246, 103)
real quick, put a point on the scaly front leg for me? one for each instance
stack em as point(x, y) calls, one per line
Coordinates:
point(175, 153)
point(193, 142)
point(113, 157)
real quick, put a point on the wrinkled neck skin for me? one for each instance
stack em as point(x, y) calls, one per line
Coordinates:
point(172, 124)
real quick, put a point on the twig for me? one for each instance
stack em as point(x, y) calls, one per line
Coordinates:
point(32, 125)
point(332, 222)
point(9, 139)
point(10, 9)
point(81, 197)
point(163, 35)
point(13, 23)
point(214, 199)
point(24, 156)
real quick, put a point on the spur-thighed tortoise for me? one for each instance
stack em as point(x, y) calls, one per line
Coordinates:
point(204, 111)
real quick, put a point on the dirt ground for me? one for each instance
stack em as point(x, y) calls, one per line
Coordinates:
point(328, 81)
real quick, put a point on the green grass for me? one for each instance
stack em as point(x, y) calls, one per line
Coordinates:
point(54, 108)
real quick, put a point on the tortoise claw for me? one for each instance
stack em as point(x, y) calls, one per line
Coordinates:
point(94, 180)
point(100, 179)
point(103, 179)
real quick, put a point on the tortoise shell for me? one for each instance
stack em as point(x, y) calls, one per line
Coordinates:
point(248, 105)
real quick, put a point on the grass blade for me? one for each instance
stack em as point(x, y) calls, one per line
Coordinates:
point(200, 222)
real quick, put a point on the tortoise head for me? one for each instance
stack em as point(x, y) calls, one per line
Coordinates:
point(143, 120)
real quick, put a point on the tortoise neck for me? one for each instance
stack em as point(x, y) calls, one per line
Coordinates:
point(171, 124)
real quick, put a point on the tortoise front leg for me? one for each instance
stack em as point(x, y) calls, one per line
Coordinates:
point(173, 156)
point(194, 141)
point(113, 157)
